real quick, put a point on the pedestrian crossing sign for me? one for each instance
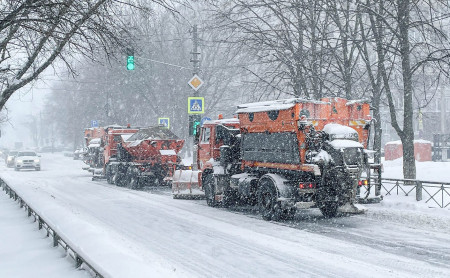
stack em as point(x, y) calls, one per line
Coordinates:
point(164, 122)
point(196, 105)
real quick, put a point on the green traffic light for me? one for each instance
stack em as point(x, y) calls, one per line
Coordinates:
point(194, 132)
point(130, 63)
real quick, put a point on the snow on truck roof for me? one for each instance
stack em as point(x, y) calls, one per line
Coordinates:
point(153, 133)
point(351, 102)
point(338, 129)
point(282, 104)
point(223, 121)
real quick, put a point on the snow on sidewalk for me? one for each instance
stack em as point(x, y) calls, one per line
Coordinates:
point(27, 252)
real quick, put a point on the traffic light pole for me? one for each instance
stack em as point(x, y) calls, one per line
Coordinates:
point(196, 117)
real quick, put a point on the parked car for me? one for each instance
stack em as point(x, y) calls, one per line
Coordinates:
point(9, 160)
point(27, 160)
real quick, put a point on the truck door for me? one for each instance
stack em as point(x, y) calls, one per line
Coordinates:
point(204, 150)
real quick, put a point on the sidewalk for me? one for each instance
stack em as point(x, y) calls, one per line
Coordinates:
point(27, 252)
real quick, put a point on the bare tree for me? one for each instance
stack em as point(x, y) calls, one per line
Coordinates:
point(36, 33)
point(285, 38)
point(393, 23)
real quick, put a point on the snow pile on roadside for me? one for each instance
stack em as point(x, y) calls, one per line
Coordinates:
point(24, 252)
point(426, 171)
point(93, 242)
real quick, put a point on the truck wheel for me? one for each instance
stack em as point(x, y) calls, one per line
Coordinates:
point(209, 186)
point(328, 198)
point(119, 180)
point(269, 207)
point(134, 183)
point(109, 175)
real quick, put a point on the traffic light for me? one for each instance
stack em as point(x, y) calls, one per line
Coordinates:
point(194, 123)
point(130, 59)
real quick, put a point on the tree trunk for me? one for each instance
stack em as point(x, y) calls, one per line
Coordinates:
point(409, 163)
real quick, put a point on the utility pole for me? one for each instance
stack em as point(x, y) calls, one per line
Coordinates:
point(195, 54)
point(196, 69)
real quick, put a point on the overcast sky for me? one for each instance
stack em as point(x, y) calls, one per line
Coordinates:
point(22, 106)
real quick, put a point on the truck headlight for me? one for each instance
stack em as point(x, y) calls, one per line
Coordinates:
point(19, 161)
point(36, 160)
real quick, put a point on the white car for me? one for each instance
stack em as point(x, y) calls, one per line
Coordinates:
point(27, 160)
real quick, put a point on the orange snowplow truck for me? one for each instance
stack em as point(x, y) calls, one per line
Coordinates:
point(286, 155)
point(102, 143)
point(148, 157)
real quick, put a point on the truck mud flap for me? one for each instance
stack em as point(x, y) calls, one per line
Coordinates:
point(352, 209)
point(370, 200)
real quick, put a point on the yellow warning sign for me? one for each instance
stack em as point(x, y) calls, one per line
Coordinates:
point(195, 82)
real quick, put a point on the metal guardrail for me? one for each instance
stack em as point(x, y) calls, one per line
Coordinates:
point(42, 224)
point(436, 192)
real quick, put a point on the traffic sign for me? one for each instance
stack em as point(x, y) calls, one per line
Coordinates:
point(164, 122)
point(94, 123)
point(196, 105)
point(195, 82)
point(204, 119)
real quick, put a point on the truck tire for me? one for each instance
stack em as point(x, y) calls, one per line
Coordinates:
point(209, 186)
point(269, 206)
point(328, 195)
point(119, 180)
point(134, 183)
point(109, 174)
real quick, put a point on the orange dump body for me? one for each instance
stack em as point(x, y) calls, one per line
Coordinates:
point(154, 151)
point(154, 145)
point(112, 138)
point(284, 116)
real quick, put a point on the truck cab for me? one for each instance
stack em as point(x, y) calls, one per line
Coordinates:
point(210, 139)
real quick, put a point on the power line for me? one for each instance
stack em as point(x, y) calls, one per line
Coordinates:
point(164, 63)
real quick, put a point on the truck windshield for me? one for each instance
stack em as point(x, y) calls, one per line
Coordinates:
point(350, 136)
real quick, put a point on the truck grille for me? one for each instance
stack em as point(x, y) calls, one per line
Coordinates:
point(27, 161)
point(353, 156)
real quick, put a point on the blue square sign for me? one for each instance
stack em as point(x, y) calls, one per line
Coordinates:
point(196, 105)
point(165, 122)
point(94, 123)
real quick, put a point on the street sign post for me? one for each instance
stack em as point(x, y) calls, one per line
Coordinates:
point(164, 122)
point(196, 105)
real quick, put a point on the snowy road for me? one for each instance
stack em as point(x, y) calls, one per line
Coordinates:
point(139, 234)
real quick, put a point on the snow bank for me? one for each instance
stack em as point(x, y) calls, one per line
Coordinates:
point(108, 252)
point(25, 252)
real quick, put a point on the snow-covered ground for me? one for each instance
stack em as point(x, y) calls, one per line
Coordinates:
point(129, 233)
point(25, 251)
point(428, 170)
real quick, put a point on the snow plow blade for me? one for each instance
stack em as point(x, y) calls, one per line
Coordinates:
point(185, 185)
point(371, 200)
point(352, 209)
